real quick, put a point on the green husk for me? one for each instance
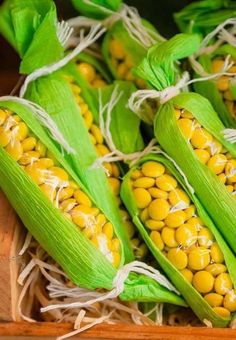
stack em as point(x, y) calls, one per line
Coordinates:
point(201, 308)
point(203, 16)
point(78, 257)
point(158, 68)
point(97, 9)
point(209, 88)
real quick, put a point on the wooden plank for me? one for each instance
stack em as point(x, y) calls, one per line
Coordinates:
point(11, 240)
point(115, 332)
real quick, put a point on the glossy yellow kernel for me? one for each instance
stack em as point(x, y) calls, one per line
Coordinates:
point(108, 230)
point(217, 65)
point(195, 222)
point(84, 109)
point(136, 174)
point(158, 209)
point(166, 182)
point(198, 258)
point(116, 259)
point(189, 212)
point(215, 147)
point(230, 301)
point(187, 274)
point(29, 157)
point(216, 253)
point(203, 155)
point(144, 182)
point(223, 284)
point(230, 188)
point(203, 281)
point(142, 197)
point(49, 191)
point(68, 205)
point(20, 131)
point(177, 114)
point(201, 139)
point(88, 119)
point(168, 237)
point(50, 155)
point(228, 155)
point(41, 148)
point(3, 116)
point(98, 83)
point(175, 219)
point(115, 170)
point(152, 169)
point(130, 228)
point(45, 163)
point(144, 215)
point(178, 258)
point(65, 193)
point(187, 127)
point(92, 229)
point(157, 240)
point(205, 237)
point(83, 216)
point(223, 83)
point(154, 225)
point(57, 174)
point(116, 49)
point(82, 198)
point(214, 300)
point(222, 178)
point(37, 173)
point(225, 313)
point(15, 150)
point(186, 114)
point(97, 133)
point(115, 244)
point(73, 185)
point(29, 144)
point(217, 163)
point(140, 83)
point(5, 136)
point(216, 268)
point(87, 71)
point(115, 185)
point(186, 235)
point(101, 219)
point(129, 76)
point(158, 193)
point(121, 70)
point(108, 167)
point(232, 69)
point(230, 170)
point(103, 150)
point(178, 195)
point(228, 95)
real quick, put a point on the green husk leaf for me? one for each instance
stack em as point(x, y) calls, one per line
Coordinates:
point(205, 183)
point(203, 16)
point(97, 9)
point(28, 25)
point(193, 298)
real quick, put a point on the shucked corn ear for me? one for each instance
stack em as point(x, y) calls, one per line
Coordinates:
point(195, 125)
point(182, 238)
point(56, 208)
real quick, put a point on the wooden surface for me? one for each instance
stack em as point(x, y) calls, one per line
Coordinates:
point(11, 239)
point(121, 332)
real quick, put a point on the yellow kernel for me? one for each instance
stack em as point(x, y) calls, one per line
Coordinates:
point(228, 95)
point(97, 83)
point(168, 236)
point(154, 225)
point(198, 258)
point(3, 116)
point(82, 198)
point(129, 62)
point(230, 188)
point(108, 167)
point(187, 274)
point(116, 49)
point(223, 284)
point(230, 106)
point(186, 235)
point(57, 174)
point(21, 131)
point(217, 163)
point(115, 244)
point(102, 149)
point(217, 65)
point(195, 222)
point(216, 268)
point(29, 144)
point(65, 193)
point(178, 258)
point(215, 147)
point(49, 191)
point(186, 114)
point(136, 174)
point(203, 155)
point(115, 170)
point(201, 139)
point(152, 169)
point(222, 311)
point(116, 259)
point(41, 148)
point(166, 182)
point(130, 228)
point(144, 182)
point(129, 76)
point(178, 195)
point(189, 212)
point(37, 173)
point(203, 281)
point(216, 254)
point(144, 215)
point(157, 240)
point(175, 219)
point(108, 230)
point(88, 119)
point(134, 243)
point(158, 193)
point(15, 150)
point(230, 170)
point(5, 136)
point(214, 300)
point(158, 209)
point(142, 197)
point(223, 83)
point(205, 237)
point(83, 108)
point(68, 205)
point(222, 178)
point(121, 70)
point(177, 114)
point(101, 219)
point(83, 216)
point(230, 301)
point(87, 71)
point(142, 251)
point(187, 127)
point(115, 185)
point(45, 163)
point(97, 133)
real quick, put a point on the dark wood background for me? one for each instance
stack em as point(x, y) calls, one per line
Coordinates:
point(158, 12)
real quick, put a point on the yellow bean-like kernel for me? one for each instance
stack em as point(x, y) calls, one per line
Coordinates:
point(168, 236)
point(3, 116)
point(82, 198)
point(198, 258)
point(216, 253)
point(216, 268)
point(87, 71)
point(214, 300)
point(203, 281)
point(178, 258)
point(41, 148)
point(153, 169)
point(223, 284)
point(116, 49)
point(178, 195)
point(144, 182)
point(108, 230)
point(121, 70)
point(158, 209)
point(142, 197)
point(154, 225)
point(201, 139)
point(5, 136)
point(65, 193)
point(222, 311)
point(29, 157)
point(115, 185)
point(116, 259)
point(166, 182)
point(217, 163)
point(177, 114)
point(96, 133)
point(186, 235)
point(88, 119)
point(83, 216)
point(186, 114)
point(217, 65)
point(187, 127)
point(223, 83)
point(187, 274)
point(15, 150)
point(115, 170)
point(98, 83)
point(130, 228)
point(222, 178)
point(158, 193)
point(29, 144)
point(215, 147)
point(84, 109)
point(205, 237)
point(58, 174)
point(230, 301)
point(195, 222)
point(45, 163)
point(49, 191)
point(203, 155)
point(156, 238)
point(144, 215)
point(230, 170)
point(175, 219)
point(136, 174)
point(115, 244)
point(21, 131)
point(189, 212)
point(68, 205)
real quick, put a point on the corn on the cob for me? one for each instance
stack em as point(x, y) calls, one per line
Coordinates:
point(173, 223)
